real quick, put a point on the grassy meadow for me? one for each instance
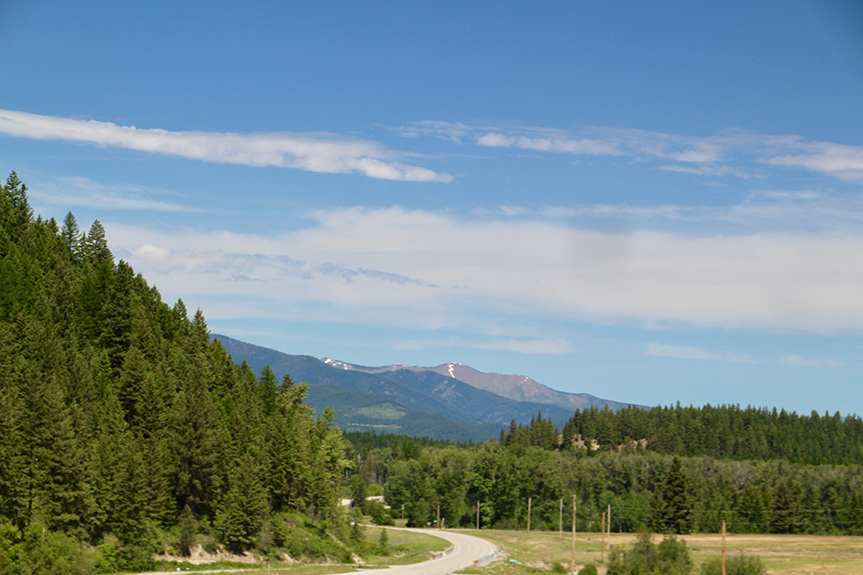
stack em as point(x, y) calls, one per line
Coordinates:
point(782, 554)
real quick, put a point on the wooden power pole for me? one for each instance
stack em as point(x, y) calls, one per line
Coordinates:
point(723, 547)
point(528, 513)
point(438, 517)
point(602, 545)
point(477, 515)
point(572, 563)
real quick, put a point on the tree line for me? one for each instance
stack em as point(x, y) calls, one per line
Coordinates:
point(726, 431)
point(663, 492)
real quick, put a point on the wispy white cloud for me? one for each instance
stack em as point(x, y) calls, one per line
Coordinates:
point(797, 361)
point(729, 153)
point(85, 192)
point(762, 210)
point(524, 346)
point(685, 352)
point(550, 144)
point(844, 162)
point(532, 347)
point(315, 152)
point(415, 267)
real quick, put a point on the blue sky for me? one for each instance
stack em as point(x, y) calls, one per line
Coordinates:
point(650, 203)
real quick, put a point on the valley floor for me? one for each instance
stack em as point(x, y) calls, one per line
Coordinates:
point(782, 554)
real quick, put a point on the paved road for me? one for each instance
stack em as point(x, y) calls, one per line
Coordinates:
point(466, 549)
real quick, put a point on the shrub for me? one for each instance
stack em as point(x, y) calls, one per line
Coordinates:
point(187, 527)
point(46, 552)
point(737, 565)
point(670, 557)
point(589, 569)
point(379, 513)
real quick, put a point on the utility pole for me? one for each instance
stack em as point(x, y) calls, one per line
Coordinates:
point(572, 563)
point(723, 547)
point(608, 519)
point(528, 513)
point(477, 515)
point(602, 545)
point(438, 517)
point(560, 520)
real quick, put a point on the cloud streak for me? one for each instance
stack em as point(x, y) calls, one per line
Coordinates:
point(685, 352)
point(314, 152)
point(797, 361)
point(722, 154)
point(85, 192)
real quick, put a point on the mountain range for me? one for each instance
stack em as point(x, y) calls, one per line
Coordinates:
point(450, 401)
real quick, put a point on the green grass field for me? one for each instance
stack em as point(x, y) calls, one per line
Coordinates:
point(405, 547)
point(782, 554)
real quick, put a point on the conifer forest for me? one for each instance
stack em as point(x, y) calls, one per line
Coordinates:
point(126, 433)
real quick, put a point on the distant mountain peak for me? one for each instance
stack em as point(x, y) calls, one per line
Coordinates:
point(516, 387)
point(354, 367)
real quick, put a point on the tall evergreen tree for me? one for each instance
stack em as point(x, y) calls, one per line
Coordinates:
point(676, 511)
point(786, 517)
point(72, 236)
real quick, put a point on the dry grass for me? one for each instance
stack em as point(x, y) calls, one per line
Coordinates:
point(407, 547)
point(782, 554)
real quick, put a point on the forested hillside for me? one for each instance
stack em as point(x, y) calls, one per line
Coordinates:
point(723, 432)
point(645, 489)
point(123, 427)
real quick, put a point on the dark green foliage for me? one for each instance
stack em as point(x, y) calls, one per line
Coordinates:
point(244, 507)
point(787, 516)
point(690, 494)
point(363, 441)
point(735, 565)
point(589, 569)
point(721, 432)
point(379, 515)
point(538, 433)
point(669, 557)
point(383, 543)
point(303, 540)
point(676, 510)
point(120, 419)
point(187, 527)
point(45, 552)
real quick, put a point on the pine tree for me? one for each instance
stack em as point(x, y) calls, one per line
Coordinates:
point(130, 384)
point(192, 444)
point(13, 497)
point(676, 511)
point(72, 236)
point(94, 245)
point(244, 507)
point(15, 213)
point(786, 516)
point(57, 466)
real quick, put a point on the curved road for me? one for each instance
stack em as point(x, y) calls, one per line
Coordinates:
point(466, 550)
